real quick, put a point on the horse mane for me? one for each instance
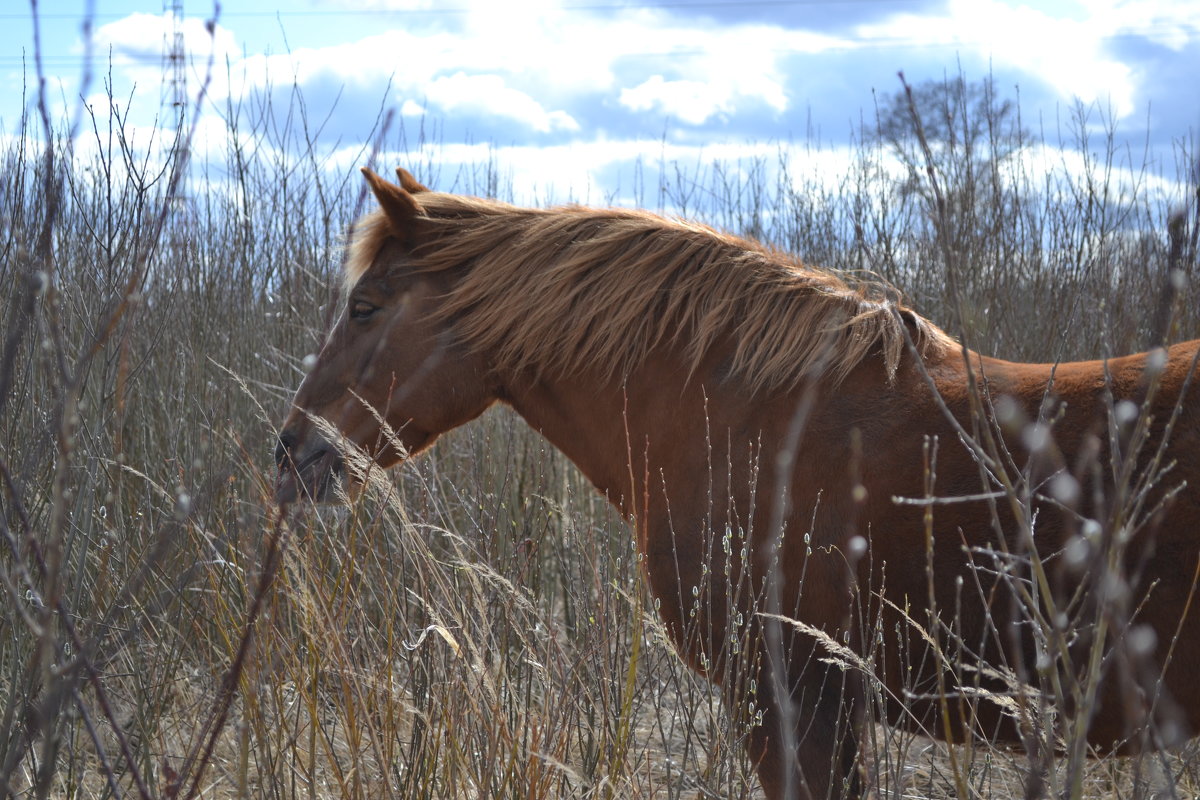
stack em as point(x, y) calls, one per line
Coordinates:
point(561, 289)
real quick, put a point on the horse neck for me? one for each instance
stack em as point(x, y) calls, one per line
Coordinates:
point(616, 431)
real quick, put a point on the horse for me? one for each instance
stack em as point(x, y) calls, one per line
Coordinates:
point(808, 465)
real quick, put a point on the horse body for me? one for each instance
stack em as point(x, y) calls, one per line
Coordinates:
point(789, 500)
point(993, 627)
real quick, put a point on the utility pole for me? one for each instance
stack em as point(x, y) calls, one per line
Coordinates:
point(175, 62)
point(175, 92)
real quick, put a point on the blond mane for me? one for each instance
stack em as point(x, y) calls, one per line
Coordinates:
point(562, 289)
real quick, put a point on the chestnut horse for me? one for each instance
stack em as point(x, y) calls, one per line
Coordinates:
point(808, 465)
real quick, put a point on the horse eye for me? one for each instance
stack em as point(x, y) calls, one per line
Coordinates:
point(361, 309)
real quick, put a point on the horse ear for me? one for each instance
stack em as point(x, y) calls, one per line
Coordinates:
point(400, 206)
point(408, 182)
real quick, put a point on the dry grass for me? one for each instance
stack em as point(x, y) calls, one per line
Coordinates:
point(480, 629)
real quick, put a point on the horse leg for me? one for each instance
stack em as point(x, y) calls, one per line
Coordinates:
point(806, 745)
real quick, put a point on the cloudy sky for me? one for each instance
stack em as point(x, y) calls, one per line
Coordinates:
point(567, 94)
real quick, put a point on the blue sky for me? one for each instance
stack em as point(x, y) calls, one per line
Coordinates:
point(567, 94)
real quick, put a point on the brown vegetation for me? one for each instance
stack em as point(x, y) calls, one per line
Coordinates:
point(485, 633)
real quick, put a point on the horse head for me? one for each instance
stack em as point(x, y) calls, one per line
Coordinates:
point(391, 375)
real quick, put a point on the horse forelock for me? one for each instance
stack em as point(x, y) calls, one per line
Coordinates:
point(367, 236)
point(563, 289)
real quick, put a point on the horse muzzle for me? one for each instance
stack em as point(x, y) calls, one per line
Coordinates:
point(307, 474)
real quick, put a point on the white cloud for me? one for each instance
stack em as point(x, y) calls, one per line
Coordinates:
point(693, 102)
point(142, 38)
point(1170, 23)
point(721, 71)
point(430, 71)
point(577, 73)
point(412, 109)
point(489, 94)
point(1068, 53)
point(1073, 53)
point(584, 171)
point(529, 61)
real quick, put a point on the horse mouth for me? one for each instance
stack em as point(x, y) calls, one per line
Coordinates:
point(312, 479)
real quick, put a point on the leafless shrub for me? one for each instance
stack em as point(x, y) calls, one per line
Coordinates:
point(478, 627)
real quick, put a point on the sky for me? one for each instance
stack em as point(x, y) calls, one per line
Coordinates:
point(567, 96)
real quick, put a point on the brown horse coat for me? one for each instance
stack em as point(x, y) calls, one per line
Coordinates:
point(785, 444)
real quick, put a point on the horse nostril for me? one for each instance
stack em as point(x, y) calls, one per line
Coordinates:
point(283, 450)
